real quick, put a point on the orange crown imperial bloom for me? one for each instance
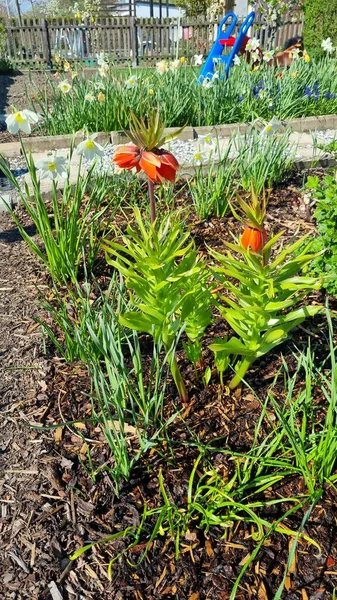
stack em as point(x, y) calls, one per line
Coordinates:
point(254, 238)
point(158, 164)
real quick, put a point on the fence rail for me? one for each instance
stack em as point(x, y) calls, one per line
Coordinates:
point(126, 40)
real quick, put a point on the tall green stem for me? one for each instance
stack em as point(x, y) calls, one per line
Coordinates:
point(240, 373)
point(152, 201)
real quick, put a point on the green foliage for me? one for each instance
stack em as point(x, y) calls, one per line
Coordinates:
point(262, 160)
point(5, 64)
point(244, 96)
point(161, 266)
point(260, 294)
point(211, 191)
point(71, 228)
point(325, 264)
point(319, 23)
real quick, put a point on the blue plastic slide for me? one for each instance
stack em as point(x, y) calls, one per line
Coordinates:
point(224, 34)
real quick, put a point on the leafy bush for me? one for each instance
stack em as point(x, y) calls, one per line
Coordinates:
point(319, 23)
point(326, 220)
point(5, 64)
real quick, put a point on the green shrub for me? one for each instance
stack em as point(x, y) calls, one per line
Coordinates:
point(319, 23)
point(5, 64)
point(326, 220)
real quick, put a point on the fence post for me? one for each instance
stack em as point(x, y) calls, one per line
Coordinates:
point(46, 43)
point(134, 41)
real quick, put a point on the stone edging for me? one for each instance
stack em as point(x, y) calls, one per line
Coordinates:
point(47, 143)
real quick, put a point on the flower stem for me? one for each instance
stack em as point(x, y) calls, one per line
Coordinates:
point(152, 201)
point(240, 373)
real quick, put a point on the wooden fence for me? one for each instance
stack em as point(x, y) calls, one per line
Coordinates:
point(125, 40)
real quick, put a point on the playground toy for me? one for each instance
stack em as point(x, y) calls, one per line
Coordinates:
point(223, 40)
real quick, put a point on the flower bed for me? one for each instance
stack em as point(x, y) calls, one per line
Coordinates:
point(103, 103)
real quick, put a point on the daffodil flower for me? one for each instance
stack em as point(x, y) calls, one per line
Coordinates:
point(294, 54)
point(207, 83)
point(236, 60)
point(89, 98)
point(100, 97)
point(162, 67)
point(255, 56)
point(183, 60)
point(89, 148)
point(327, 45)
point(52, 166)
point(267, 56)
point(66, 66)
point(198, 157)
point(21, 120)
point(272, 127)
point(101, 59)
point(207, 139)
point(132, 81)
point(103, 70)
point(198, 59)
point(74, 74)
point(175, 64)
point(64, 86)
point(252, 44)
point(151, 91)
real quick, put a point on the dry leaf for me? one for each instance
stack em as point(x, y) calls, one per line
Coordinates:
point(330, 562)
point(158, 582)
point(209, 549)
point(191, 536)
point(58, 434)
point(292, 568)
point(262, 592)
point(305, 595)
point(194, 596)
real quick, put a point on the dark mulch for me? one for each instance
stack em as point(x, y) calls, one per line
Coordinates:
point(51, 506)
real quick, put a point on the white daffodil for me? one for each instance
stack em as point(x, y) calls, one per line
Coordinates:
point(267, 56)
point(327, 45)
point(89, 148)
point(103, 70)
point(198, 157)
point(255, 56)
point(101, 60)
point(175, 65)
point(198, 59)
point(66, 66)
point(207, 83)
point(294, 54)
point(252, 44)
point(207, 139)
point(237, 60)
point(21, 120)
point(64, 86)
point(272, 127)
point(162, 67)
point(215, 75)
point(132, 81)
point(52, 166)
point(89, 98)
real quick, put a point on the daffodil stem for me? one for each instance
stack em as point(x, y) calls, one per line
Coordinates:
point(240, 373)
point(152, 201)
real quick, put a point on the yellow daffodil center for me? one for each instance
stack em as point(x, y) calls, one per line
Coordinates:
point(151, 92)
point(19, 118)
point(208, 139)
point(131, 81)
point(197, 156)
point(51, 166)
point(269, 128)
point(89, 144)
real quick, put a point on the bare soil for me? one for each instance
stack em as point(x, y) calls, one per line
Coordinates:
point(51, 506)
